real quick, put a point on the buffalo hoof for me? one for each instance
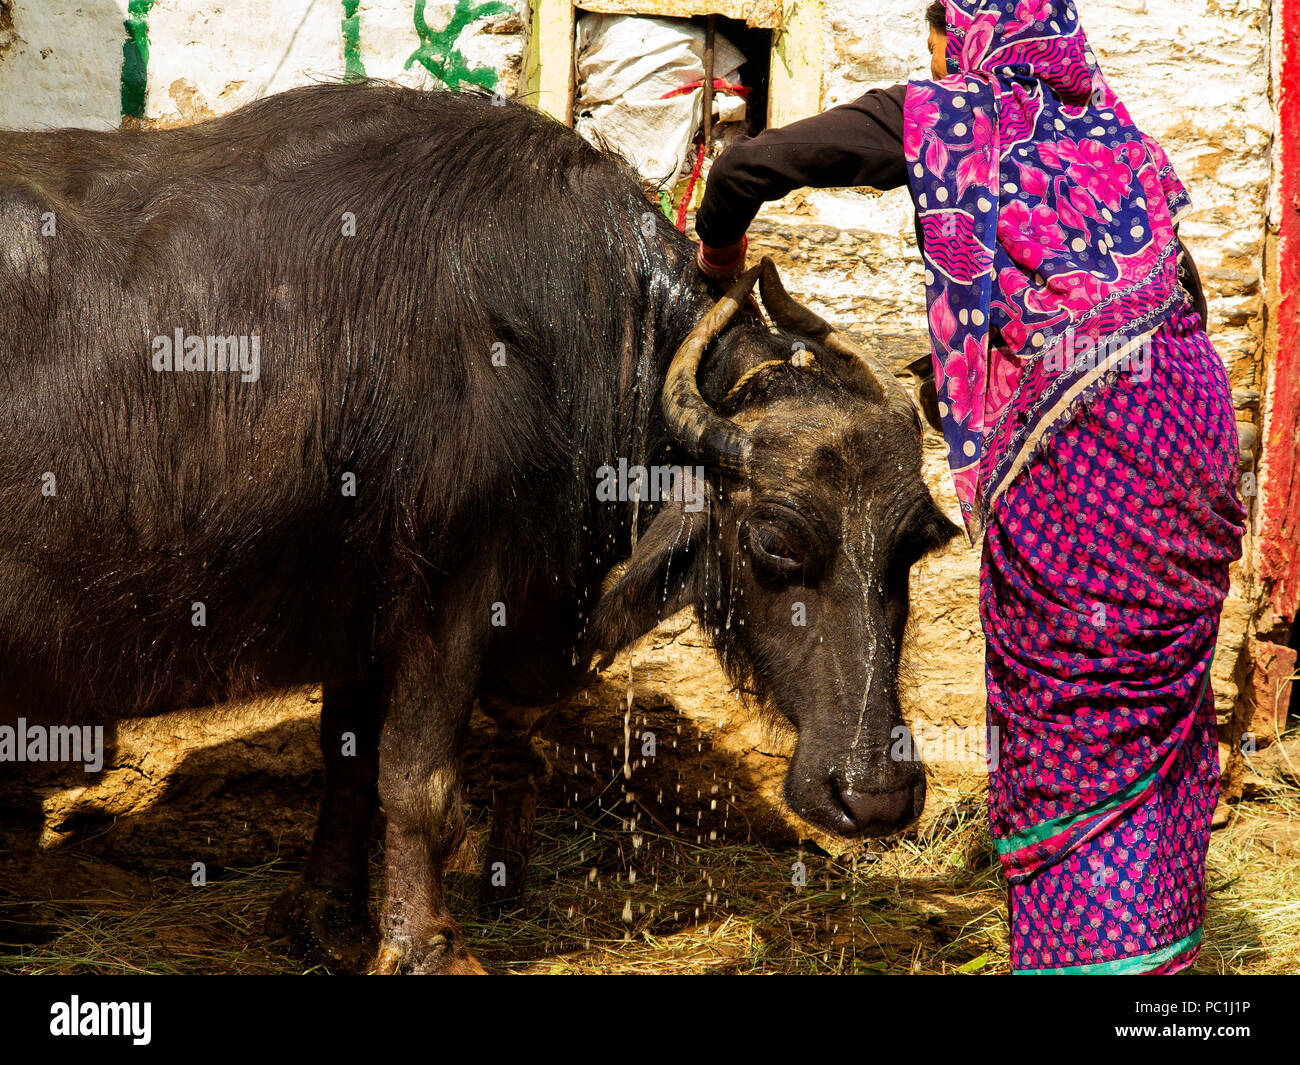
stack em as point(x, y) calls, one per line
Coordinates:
point(324, 928)
point(437, 957)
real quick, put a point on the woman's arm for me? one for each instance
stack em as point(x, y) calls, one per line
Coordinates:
point(860, 143)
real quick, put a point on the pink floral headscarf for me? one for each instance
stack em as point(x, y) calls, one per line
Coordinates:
point(1047, 218)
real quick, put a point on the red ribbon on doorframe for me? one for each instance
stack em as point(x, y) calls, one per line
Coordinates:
point(718, 86)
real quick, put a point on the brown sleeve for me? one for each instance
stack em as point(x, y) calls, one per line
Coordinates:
point(859, 143)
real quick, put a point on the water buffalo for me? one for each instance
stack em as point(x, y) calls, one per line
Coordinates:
point(321, 390)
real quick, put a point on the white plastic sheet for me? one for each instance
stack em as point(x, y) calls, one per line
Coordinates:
point(626, 64)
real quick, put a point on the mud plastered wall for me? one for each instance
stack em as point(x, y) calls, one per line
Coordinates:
point(1195, 75)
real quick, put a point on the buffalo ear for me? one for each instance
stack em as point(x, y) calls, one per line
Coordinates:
point(927, 395)
point(656, 582)
point(945, 530)
point(938, 531)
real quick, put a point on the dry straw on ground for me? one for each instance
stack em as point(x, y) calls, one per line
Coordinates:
point(929, 902)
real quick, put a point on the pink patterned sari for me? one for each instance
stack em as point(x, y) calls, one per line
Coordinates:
point(1090, 434)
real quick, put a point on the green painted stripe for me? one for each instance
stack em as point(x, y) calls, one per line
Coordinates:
point(353, 66)
point(1140, 963)
point(438, 53)
point(135, 58)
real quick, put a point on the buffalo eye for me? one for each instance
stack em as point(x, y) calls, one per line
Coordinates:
point(783, 546)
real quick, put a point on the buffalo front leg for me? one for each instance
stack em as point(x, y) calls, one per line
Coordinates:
point(326, 915)
point(428, 700)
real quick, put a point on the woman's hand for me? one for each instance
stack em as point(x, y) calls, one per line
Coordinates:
point(723, 265)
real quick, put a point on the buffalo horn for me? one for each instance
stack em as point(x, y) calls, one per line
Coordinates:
point(717, 441)
point(860, 371)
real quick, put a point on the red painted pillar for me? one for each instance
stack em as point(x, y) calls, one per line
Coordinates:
point(1280, 527)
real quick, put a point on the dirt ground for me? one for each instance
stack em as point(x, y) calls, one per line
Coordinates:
point(691, 866)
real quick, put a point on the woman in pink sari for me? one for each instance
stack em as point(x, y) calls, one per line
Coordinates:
point(1089, 428)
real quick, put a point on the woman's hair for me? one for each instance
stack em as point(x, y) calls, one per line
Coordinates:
point(936, 16)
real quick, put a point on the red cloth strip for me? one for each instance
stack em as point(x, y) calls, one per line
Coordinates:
point(719, 85)
point(690, 186)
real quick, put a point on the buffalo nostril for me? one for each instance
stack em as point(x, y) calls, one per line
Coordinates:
point(875, 812)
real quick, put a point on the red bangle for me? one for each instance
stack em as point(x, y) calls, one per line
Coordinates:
point(722, 260)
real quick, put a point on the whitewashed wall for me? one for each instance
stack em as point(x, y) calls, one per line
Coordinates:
point(63, 63)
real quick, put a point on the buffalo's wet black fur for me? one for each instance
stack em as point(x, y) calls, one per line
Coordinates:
point(464, 310)
point(713, 596)
point(754, 675)
point(475, 225)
